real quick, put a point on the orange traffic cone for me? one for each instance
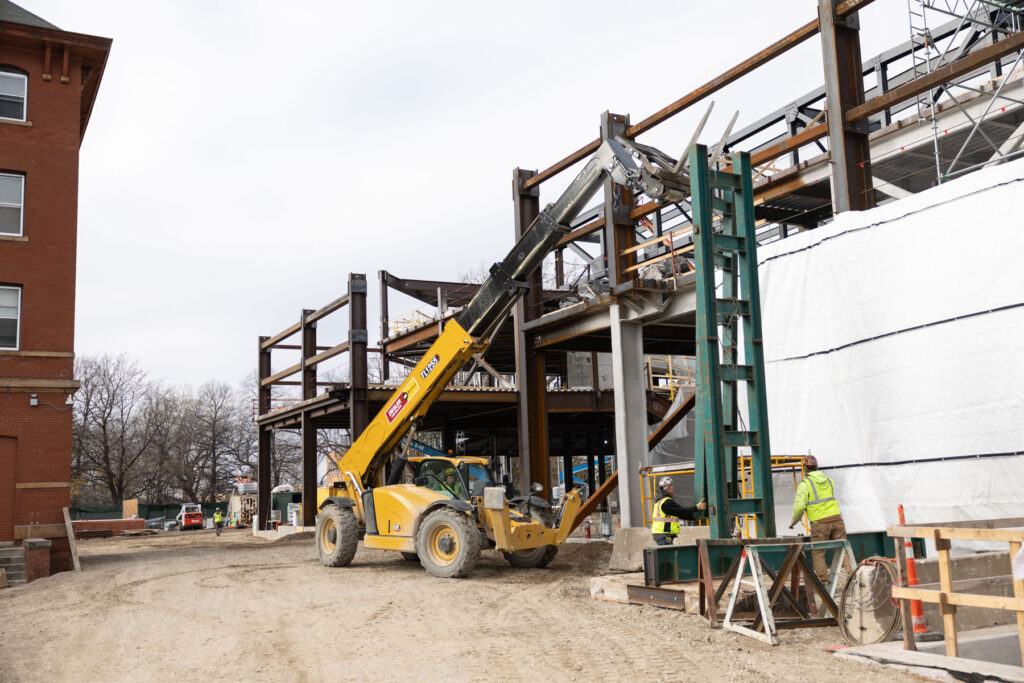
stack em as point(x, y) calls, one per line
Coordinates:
point(916, 608)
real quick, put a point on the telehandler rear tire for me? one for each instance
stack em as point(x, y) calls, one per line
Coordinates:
point(337, 534)
point(448, 544)
point(534, 558)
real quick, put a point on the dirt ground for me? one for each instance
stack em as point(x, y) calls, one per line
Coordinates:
point(184, 606)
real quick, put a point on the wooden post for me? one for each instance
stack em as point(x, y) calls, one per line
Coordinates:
point(71, 540)
point(1018, 592)
point(946, 584)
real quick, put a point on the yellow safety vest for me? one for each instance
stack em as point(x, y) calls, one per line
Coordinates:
point(217, 517)
point(662, 524)
point(821, 502)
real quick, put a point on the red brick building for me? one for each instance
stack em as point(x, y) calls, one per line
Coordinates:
point(48, 83)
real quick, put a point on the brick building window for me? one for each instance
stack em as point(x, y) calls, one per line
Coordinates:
point(12, 203)
point(10, 315)
point(13, 94)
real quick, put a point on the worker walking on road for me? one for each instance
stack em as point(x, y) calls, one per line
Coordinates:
point(816, 495)
point(218, 520)
point(667, 513)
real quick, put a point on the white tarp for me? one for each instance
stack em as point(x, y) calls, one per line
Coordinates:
point(894, 349)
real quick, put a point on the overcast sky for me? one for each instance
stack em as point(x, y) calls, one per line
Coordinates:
point(244, 157)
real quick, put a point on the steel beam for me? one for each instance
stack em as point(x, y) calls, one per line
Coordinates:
point(714, 85)
point(309, 478)
point(618, 202)
point(359, 405)
point(385, 370)
point(530, 361)
point(844, 89)
point(263, 439)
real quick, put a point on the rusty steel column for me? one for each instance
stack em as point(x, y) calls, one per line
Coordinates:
point(263, 439)
point(309, 478)
point(844, 89)
point(385, 371)
point(358, 397)
point(530, 363)
point(618, 202)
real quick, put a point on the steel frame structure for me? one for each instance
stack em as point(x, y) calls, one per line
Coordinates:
point(874, 151)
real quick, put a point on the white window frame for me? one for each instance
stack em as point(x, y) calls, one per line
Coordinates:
point(21, 205)
point(24, 107)
point(17, 318)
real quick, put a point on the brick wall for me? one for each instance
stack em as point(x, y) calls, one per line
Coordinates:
point(34, 474)
point(118, 526)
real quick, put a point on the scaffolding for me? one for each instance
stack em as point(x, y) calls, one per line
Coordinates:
point(975, 23)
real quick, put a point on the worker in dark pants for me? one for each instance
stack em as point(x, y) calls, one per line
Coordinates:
point(218, 520)
point(667, 513)
point(816, 495)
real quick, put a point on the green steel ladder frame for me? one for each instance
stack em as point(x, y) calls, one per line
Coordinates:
point(732, 255)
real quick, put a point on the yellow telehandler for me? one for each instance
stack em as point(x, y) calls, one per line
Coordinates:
point(420, 510)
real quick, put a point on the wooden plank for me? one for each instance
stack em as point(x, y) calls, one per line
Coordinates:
point(1018, 592)
point(281, 336)
point(961, 599)
point(71, 540)
point(329, 353)
point(129, 508)
point(677, 252)
point(953, 534)
point(43, 485)
point(281, 375)
point(328, 309)
point(659, 239)
point(1000, 523)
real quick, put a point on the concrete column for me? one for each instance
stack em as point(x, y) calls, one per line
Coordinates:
point(630, 412)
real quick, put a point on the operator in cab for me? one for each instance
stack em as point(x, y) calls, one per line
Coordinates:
point(452, 485)
point(667, 513)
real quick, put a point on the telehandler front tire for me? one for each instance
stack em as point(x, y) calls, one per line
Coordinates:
point(337, 534)
point(448, 544)
point(534, 558)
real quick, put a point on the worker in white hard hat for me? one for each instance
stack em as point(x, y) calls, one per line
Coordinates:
point(667, 512)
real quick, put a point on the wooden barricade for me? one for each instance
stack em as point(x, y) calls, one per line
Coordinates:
point(992, 530)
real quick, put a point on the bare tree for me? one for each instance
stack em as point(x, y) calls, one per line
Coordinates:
point(114, 425)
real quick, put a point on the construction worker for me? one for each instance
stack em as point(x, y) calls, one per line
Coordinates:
point(218, 520)
point(452, 486)
point(816, 495)
point(667, 513)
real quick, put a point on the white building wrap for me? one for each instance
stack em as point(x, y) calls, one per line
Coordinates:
point(894, 349)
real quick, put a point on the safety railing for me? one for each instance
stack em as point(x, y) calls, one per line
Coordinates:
point(948, 599)
point(667, 375)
